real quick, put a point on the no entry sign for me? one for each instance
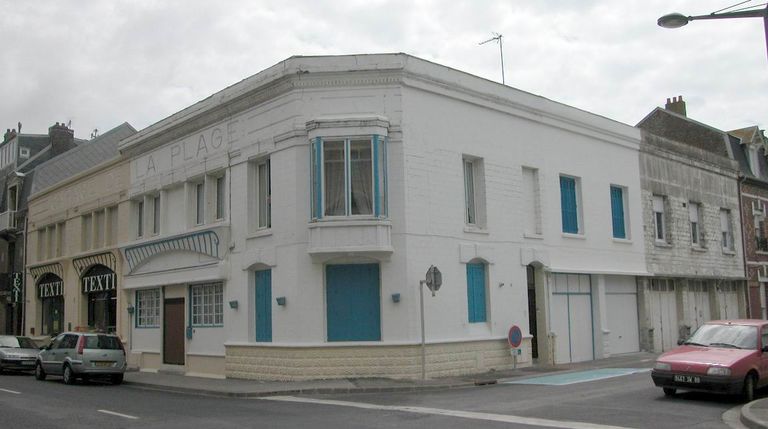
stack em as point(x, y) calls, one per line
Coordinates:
point(515, 337)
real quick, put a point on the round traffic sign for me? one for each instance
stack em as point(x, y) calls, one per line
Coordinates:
point(515, 336)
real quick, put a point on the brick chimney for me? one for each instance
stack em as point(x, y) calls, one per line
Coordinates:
point(61, 138)
point(9, 135)
point(677, 105)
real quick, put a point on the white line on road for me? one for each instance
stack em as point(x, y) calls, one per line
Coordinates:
point(11, 391)
point(504, 418)
point(118, 414)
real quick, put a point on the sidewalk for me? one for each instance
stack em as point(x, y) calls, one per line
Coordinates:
point(755, 414)
point(248, 389)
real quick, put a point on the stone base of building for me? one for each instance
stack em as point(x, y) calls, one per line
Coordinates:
point(296, 363)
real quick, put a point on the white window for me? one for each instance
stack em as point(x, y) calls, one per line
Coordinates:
point(693, 216)
point(156, 214)
point(199, 203)
point(207, 304)
point(726, 229)
point(87, 235)
point(41, 236)
point(531, 201)
point(23, 152)
point(51, 230)
point(754, 163)
point(60, 238)
point(99, 225)
point(12, 198)
point(474, 192)
point(261, 194)
point(140, 219)
point(220, 197)
point(111, 225)
point(148, 308)
point(658, 219)
point(349, 177)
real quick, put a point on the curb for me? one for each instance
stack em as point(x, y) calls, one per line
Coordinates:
point(750, 419)
point(309, 391)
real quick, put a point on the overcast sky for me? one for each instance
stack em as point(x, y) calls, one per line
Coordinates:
point(100, 63)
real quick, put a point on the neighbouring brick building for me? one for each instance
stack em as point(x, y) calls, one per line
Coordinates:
point(748, 148)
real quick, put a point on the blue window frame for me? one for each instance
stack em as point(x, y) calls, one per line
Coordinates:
point(353, 302)
point(349, 176)
point(476, 293)
point(617, 212)
point(568, 205)
point(264, 306)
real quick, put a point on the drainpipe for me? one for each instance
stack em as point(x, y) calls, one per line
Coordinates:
point(741, 181)
point(24, 281)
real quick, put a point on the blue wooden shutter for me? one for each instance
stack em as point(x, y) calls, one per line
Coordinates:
point(476, 293)
point(617, 212)
point(353, 302)
point(264, 305)
point(568, 205)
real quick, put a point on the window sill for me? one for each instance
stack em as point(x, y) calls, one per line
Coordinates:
point(206, 326)
point(698, 249)
point(663, 244)
point(260, 233)
point(533, 236)
point(576, 236)
point(729, 252)
point(622, 240)
point(147, 327)
point(475, 230)
point(761, 252)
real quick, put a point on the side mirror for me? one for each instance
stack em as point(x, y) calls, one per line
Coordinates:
point(680, 342)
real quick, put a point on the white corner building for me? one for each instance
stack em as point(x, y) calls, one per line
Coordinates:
point(281, 227)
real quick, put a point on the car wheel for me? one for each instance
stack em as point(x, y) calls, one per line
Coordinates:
point(669, 391)
point(117, 379)
point(39, 372)
point(69, 376)
point(1, 370)
point(749, 388)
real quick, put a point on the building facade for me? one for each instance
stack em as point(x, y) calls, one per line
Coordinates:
point(77, 215)
point(692, 228)
point(280, 228)
point(20, 154)
point(748, 148)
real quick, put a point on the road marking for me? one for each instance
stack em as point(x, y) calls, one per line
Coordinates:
point(11, 391)
point(504, 418)
point(118, 414)
point(577, 377)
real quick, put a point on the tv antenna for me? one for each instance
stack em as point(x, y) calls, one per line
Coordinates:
point(497, 37)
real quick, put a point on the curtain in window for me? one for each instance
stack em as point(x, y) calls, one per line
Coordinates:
point(361, 180)
point(333, 160)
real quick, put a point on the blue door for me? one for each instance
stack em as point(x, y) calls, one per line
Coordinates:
point(353, 302)
point(476, 293)
point(264, 306)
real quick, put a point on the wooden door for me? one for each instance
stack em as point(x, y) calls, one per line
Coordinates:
point(173, 331)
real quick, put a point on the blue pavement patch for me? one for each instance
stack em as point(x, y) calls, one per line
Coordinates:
point(578, 377)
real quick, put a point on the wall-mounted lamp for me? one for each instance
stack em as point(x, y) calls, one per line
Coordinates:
point(280, 300)
point(233, 304)
point(395, 297)
point(131, 309)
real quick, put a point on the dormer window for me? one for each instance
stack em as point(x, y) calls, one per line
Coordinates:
point(23, 152)
point(754, 159)
point(13, 198)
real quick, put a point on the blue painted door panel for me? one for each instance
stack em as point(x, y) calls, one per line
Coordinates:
point(476, 293)
point(264, 305)
point(353, 302)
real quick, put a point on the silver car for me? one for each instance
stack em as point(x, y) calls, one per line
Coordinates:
point(82, 355)
point(17, 353)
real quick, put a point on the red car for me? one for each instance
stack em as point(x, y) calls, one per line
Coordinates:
point(723, 356)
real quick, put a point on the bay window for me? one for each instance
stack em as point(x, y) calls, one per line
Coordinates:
point(349, 177)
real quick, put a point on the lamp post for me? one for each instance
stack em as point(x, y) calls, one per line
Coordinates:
point(677, 20)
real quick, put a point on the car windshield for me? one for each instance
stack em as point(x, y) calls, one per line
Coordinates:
point(17, 343)
point(103, 342)
point(727, 336)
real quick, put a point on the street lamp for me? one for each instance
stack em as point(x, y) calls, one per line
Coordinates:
point(677, 20)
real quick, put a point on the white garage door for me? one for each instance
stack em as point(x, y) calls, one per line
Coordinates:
point(697, 304)
point(571, 317)
point(662, 310)
point(728, 300)
point(621, 309)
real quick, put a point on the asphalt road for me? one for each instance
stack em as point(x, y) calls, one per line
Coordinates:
point(626, 401)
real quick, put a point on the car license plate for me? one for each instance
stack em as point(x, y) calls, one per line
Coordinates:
point(28, 362)
point(103, 363)
point(687, 379)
